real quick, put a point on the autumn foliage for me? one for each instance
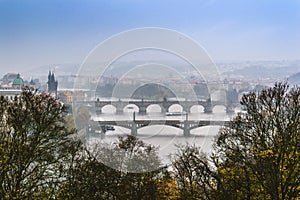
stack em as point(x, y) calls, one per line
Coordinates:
point(256, 157)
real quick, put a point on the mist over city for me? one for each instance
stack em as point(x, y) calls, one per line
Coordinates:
point(137, 99)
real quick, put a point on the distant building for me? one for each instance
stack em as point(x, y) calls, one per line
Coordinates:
point(9, 78)
point(34, 83)
point(52, 84)
point(9, 94)
point(12, 85)
point(66, 96)
point(18, 83)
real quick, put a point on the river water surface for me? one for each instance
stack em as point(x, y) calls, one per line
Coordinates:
point(166, 138)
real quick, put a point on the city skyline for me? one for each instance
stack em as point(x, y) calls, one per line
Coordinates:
point(35, 33)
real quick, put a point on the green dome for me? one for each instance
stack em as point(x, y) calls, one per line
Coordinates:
point(18, 81)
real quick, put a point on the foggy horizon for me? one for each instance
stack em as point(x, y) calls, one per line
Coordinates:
point(49, 33)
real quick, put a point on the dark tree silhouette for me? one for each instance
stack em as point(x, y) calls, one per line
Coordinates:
point(262, 147)
point(35, 147)
point(257, 157)
point(92, 179)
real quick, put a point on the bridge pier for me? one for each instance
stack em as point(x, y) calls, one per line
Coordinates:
point(133, 125)
point(133, 129)
point(119, 108)
point(142, 109)
point(98, 107)
point(186, 129)
point(103, 130)
point(163, 110)
point(184, 108)
point(165, 106)
point(208, 109)
point(98, 110)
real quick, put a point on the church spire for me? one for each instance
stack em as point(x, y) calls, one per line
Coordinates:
point(52, 83)
point(49, 75)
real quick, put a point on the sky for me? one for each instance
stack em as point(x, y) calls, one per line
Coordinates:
point(37, 33)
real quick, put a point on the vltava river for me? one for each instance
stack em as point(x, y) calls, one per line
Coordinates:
point(164, 137)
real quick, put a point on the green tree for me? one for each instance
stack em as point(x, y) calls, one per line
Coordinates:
point(259, 154)
point(256, 157)
point(35, 147)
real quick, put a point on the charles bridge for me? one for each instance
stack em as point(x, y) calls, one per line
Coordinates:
point(186, 125)
point(164, 104)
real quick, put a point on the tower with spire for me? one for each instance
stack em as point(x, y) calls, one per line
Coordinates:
point(52, 84)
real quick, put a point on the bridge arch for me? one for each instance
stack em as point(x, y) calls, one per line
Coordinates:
point(219, 108)
point(175, 108)
point(197, 109)
point(159, 127)
point(131, 108)
point(108, 109)
point(152, 108)
point(195, 128)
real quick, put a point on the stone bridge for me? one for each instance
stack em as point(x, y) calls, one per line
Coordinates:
point(142, 105)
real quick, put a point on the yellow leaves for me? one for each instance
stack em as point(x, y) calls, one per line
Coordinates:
point(252, 149)
point(222, 171)
point(265, 154)
point(168, 189)
point(229, 174)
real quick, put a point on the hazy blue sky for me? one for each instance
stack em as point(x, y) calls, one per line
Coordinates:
point(41, 32)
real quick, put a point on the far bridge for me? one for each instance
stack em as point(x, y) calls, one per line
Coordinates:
point(165, 104)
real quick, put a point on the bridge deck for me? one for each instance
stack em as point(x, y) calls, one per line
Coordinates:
point(143, 123)
point(185, 125)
